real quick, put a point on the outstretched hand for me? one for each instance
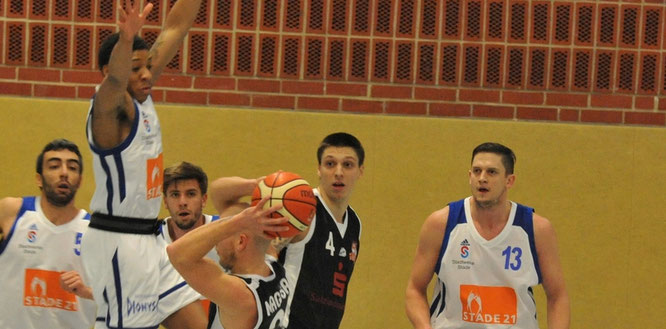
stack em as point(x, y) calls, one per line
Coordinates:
point(132, 18)
point(258, 220)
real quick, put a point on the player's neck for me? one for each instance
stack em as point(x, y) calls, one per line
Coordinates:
point(58, 215)
point(490, 219)
point(254, 264)
point(337, 207)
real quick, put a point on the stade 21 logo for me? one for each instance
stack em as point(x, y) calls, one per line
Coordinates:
point(154, 177)
point(42, 289)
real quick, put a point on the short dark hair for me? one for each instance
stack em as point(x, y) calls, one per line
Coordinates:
point(341, 139)
point(104, 54)
point(185, 170)
point(508, 157)
point(57, 145)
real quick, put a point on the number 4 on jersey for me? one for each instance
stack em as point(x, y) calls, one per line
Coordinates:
point(329, 244)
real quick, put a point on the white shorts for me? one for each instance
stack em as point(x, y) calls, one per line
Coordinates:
point(133, 281)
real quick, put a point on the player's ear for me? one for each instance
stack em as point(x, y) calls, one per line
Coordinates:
point(204, 198)
point(38, 179)
point(241, 242)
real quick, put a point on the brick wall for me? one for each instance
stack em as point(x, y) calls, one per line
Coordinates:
point(576, 61)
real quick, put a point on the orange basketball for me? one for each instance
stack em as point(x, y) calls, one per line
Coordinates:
point(296, 196)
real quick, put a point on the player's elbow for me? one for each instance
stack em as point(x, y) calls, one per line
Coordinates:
point(175, 256)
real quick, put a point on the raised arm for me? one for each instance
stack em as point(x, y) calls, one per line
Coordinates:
point(177, 24)
point(430, 242)
point(226, 192)
point(113, 109)
point(202, 274)
point(558, 307)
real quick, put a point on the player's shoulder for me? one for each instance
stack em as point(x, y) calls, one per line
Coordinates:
point(437, 219)
point(542, 226)
point(10, 206)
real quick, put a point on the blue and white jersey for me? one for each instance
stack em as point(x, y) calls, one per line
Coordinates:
point(486, 283)
point(128, 177)
point(32, 255)
point(212, 254)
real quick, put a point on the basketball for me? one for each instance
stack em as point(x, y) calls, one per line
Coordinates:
point(294, 193)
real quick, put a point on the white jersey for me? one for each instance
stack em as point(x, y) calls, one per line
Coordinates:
point(128, 177)
point(32, 255)
point(486, 283)
point(212, 254)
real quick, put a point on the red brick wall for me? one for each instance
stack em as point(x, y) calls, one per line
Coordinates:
point(597, 61)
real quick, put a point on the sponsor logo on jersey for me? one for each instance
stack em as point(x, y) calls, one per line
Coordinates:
point(42, 289)
point(488, 305)
point(32, 236)
point(146, 124)
point(33, 227)
point(277, 299)
point(343, 252)
point(154, 177)
point(135, 307)
point(464, 249)
point(354, 251)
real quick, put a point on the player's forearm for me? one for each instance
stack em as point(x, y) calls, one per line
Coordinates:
point(120, 64)
point(559, 312)
point(85, 292)
point(181, 17)
point(195, 245)
point(226, 191)
point(416, 306)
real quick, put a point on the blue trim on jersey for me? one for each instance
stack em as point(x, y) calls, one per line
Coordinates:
point(455, 209)
point(119, 290)
point(525, 219)
point(434, 310)
point(118, 159)
point(28, 204)
point(122, 146)
point(116, 153)
point(172, 289)
point(109, 186)
point(214, 218)
point(87, 216)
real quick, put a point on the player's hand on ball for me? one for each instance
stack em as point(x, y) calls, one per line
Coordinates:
point(260, 221)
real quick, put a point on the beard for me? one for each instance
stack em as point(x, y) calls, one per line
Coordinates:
point(58, 199)
point(188, 225)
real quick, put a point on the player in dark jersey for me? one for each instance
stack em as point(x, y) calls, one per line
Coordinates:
point(320, 260)
point(255, 293)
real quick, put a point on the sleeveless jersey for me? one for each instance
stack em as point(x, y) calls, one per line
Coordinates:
point(212, 254)
point(32, 255)
point(128, 177)
point(320, 266)
point(271, 295)
point(486, 283)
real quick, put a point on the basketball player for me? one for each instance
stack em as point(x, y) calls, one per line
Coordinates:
point(255, 293)
point(320, 260)
point(134, 284)
point(185, 194)
point(487, 252)
point(41, 247)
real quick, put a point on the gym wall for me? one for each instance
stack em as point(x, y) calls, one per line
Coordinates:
point(599, 185)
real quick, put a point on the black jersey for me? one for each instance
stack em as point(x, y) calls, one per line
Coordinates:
point(271, 294)
point(321, 266)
